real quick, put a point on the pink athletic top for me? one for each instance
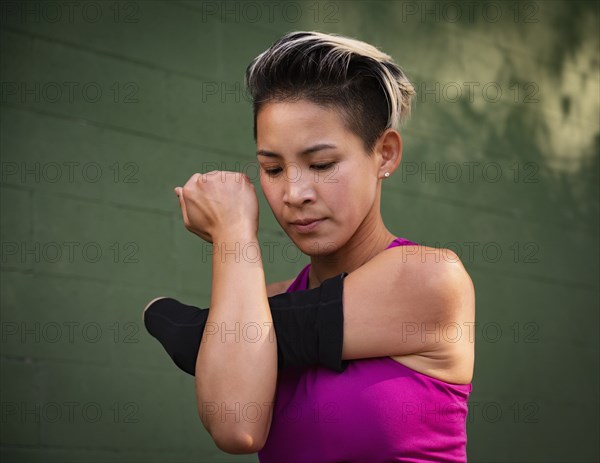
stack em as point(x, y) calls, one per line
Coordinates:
point(376, 410)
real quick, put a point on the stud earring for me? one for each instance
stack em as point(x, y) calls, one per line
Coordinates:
point(387, 174)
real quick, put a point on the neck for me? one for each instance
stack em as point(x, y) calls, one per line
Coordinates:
point(370, 239)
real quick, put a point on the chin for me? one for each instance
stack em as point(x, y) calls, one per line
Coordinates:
point(314, 247)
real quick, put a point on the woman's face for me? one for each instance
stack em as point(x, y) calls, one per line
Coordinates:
point(337, 184)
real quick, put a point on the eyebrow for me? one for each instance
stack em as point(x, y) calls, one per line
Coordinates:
point(307, 151)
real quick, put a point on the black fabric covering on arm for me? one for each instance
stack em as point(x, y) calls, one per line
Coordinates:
point(309, 326)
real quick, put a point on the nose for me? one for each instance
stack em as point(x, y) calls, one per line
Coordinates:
point(299, 189)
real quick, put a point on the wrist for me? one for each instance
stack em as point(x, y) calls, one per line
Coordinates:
point(239, 246)
point(237, 235)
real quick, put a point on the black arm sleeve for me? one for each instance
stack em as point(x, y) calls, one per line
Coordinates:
point(309, 326)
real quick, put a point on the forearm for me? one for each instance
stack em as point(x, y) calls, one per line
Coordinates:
point(235, 387)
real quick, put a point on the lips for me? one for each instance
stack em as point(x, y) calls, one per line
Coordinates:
point(307, 225)
point(304, 221)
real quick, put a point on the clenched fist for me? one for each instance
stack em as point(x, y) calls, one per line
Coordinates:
point(219, 205)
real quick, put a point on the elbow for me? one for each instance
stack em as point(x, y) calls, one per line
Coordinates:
point(237, 438)
point(238, 442)
point(150, 303)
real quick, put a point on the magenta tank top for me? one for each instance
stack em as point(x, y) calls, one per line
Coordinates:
point(376, 410)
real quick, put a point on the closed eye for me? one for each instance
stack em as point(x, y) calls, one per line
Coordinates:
point(323, 166)
point(273, 172)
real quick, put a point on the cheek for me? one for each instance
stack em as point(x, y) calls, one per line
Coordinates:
point(351, 194)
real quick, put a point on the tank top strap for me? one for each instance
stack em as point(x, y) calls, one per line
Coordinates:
point(301, 281)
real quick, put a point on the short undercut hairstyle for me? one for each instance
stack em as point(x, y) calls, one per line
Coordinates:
point(369, 89)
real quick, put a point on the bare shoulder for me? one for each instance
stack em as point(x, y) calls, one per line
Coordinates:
point(435, 273)
point(279, 287)
point(442, 272)
point(440, 265)
point(422, 254)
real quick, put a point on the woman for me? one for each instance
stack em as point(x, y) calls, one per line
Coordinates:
point(326, 114)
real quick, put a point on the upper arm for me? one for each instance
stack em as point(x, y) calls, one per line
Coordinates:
point(406, 300)
point(278, 287)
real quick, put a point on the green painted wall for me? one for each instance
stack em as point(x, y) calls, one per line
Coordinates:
point(106, 106)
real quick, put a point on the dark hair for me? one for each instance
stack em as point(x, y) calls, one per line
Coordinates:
point(333, 71)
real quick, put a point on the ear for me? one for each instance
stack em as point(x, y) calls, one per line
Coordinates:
point(389, 147)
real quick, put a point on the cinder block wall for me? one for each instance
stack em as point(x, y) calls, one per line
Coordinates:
point(106, 106)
